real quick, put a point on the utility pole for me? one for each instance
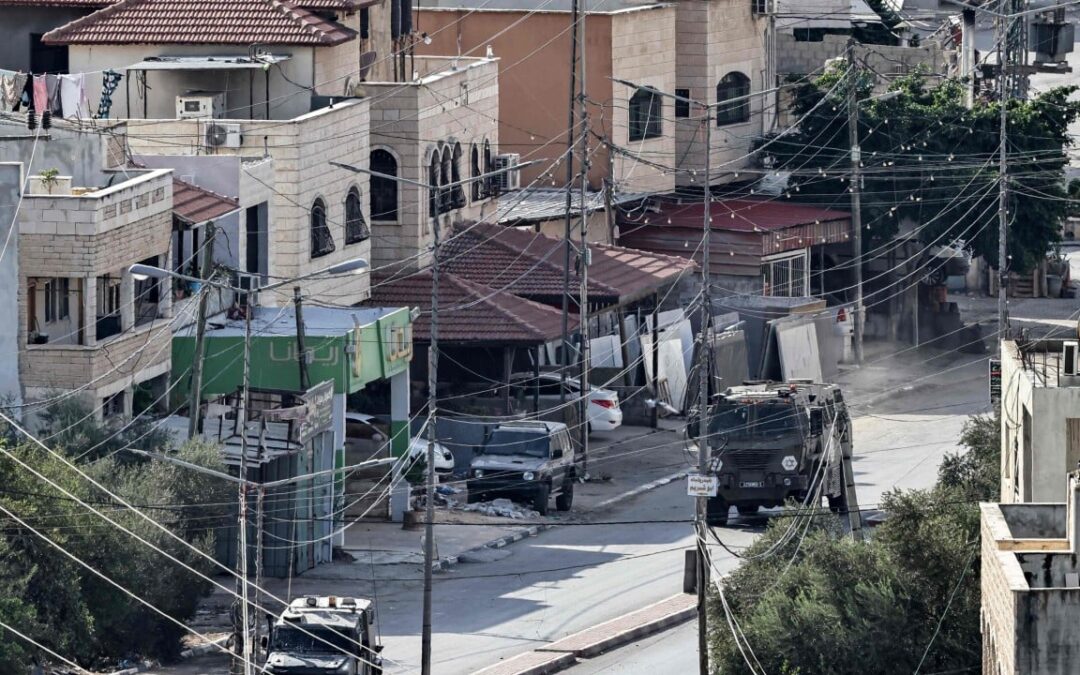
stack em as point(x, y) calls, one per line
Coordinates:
point(301, 356)
point(1004, 34)
point(703, 405)
point(429, 481)
point(856, 201)
point(564, 361)
point(195, 394)
point(584, 258)
point(241, 635)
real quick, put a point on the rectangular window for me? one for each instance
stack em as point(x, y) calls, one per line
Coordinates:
point(365, 23)
point(113, 406)
point(57, 306)
point(759, 6)
point(645, 115)
point(786, 275)
point(682, 108)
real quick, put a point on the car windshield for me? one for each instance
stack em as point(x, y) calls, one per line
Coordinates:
point(754, 421)
point(531, 442)
point(314, 640)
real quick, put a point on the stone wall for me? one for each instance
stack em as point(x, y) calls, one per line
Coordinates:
point(716, 38)
point(643, 52)
point(800, 58)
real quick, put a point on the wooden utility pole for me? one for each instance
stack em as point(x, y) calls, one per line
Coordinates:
point(584, 258)
point(856, 201)
point(195, 395)
point(242, 637)
point(1004, 53)
point(429, 482)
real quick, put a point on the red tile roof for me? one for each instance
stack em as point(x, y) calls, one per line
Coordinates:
point(531, 265)
point(196, 205)
point(220, 22)
point(342, 5)
point(469, 313)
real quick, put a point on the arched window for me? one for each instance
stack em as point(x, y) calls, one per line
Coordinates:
point(734, 85)
point(322, 242)
point(384, 191)
point(491, 187)
point(458, 192)
point(445, 191)
point(434, 171)
point(645, 115)
point(356, 228)
point(477, 190)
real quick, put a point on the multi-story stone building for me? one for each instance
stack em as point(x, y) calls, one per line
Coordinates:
point(1031, 586)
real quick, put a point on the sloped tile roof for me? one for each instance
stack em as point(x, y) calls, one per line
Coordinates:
point(531, 265)
point(342, 5)
point(218, 22)
point(196, 205)
point(469, 313)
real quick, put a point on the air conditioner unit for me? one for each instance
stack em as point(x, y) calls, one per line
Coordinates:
point(508, 180)
point(223, 135)
point(250, 283)
point(1070, 354)
point(200, 105)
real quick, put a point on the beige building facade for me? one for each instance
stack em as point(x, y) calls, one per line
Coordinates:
point(85, 323)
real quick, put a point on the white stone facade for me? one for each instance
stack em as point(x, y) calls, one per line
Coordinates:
point(715, 38)
point(452, 108)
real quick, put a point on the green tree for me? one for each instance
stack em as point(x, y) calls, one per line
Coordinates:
point(931, 162)
point(821, 603)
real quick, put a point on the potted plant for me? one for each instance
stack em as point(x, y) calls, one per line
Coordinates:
point(48, 179)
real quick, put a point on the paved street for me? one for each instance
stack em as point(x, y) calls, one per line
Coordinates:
point(575, 576)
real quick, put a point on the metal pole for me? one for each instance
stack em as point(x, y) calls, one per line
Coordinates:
point(856, 203)
point(429, 525)
point(654, 349)
point(301, 357)
point(260, 493)
point(242, 638)
point(1003, 169)
point(195, 394)
point(564, 361)
point(583, 265)
point(703, 405)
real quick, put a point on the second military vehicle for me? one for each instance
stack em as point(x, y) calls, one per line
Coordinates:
point(324, 634)
point(771, 442)
point(527, 461)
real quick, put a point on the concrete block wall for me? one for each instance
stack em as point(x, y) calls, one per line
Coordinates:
point(643, 51)
point(716, 37)
point(999, 598)
point(801, 58)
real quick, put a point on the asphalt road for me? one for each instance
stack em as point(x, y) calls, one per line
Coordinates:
point(576, 576)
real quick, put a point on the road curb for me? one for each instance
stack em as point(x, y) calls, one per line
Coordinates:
point(449, 561)
point(591, 642)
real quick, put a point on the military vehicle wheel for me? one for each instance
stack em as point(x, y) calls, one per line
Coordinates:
point(716, 513)
point(566, 498)
point(838, 504)
point(747, 510)
point(540, 499)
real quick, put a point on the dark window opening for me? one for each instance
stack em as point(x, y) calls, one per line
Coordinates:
point(734, 87)
point(645, 111)
point(434, 192)
point(356, 228)
point(365, 23)
point(458, 190)
point(477, 184)
point(682, 107)
point(47, 58)
point(384, 189)
point(322, 242)
point(445, 190)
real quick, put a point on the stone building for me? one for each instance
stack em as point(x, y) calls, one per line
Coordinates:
point(1040, 422)
point(1031, 586)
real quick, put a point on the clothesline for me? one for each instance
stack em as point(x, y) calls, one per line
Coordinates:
point(63, 95)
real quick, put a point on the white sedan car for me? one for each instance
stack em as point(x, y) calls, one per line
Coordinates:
point(604, 411)
point(362, 427)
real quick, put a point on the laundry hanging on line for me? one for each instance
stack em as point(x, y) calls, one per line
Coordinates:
point(73, 96)
point(110, 79)
point(12, 85)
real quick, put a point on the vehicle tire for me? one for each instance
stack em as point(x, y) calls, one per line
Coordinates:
point(716, 512)
point(838, 504)
point(565, 500)
point(540, 499)
point(747, 510)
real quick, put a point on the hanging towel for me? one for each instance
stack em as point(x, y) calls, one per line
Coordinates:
point(109, 81)
point(52, 87)
point(41, 94)
point(73, 96)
